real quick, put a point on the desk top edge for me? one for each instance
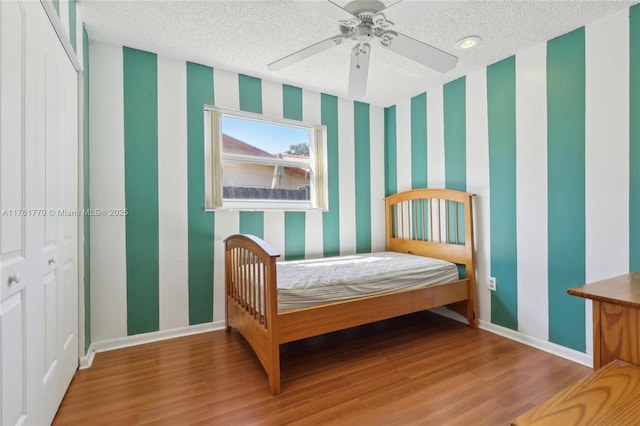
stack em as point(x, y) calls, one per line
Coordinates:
point(621, 290)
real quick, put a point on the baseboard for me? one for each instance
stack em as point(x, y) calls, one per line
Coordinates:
point(140, 339)
point(543, 345)
point(87, 359)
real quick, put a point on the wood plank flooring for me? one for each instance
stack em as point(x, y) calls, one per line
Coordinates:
point(418, 369)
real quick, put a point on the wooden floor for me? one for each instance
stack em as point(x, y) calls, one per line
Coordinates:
point(418, 369)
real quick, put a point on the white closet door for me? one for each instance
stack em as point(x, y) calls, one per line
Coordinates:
point(38, 231)
point(15, 275)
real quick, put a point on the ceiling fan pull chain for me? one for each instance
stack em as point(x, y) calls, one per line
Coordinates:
point(356, 53)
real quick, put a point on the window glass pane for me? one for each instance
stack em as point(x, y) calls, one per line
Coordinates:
point(250, 137)
point(257, 180)
point(257, 162)
point(250, 181)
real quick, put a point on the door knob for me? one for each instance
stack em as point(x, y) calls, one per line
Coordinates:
point(52, 261)
point(14, 279)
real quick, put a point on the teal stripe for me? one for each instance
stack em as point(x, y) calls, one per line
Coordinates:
point(419, 141)
point(331, 218)
point(634, 139)
point(455, 135)
point(418, 153)
point(455, 150)
point(56, 4)
point(390, 154)
point(292, 102)
point(250, 93)
point(501, 104)
point(72, 24)
point(363, 176)
point(141, 189)
point(566, 186)
point(252, 223)
point(201, 224)
point(87, 203)
point(251, 101)
point(294, 222)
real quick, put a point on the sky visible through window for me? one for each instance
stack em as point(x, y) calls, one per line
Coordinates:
point(272, 138)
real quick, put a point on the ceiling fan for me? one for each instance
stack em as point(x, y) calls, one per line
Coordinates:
point(365, 21)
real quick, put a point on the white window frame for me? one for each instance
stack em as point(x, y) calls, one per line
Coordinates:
point(214, 157)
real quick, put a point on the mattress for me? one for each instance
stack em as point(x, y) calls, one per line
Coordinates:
point(313, 282)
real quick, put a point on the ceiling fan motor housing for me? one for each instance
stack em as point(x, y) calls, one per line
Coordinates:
point(363, 33)
point(367, 23)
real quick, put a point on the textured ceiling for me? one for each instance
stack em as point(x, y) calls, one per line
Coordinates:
point(245, 36)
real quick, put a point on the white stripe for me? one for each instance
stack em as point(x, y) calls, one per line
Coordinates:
point(435, 138)
point(311, 113)
point(226, 93)
point(272, 105)
point(346, 162)
point(226, 89)
point(403, 145)
point(607, 150)
point(377, 178)
point(108, 244)
point(607, 147)
point(272, 99)
point(531, 187)
point(173, 223)
point(478, 181)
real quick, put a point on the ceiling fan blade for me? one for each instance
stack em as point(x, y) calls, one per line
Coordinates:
point(423, 53)
point(305, 53)
point(409, 10)
point(359, 71)
point(327, 8)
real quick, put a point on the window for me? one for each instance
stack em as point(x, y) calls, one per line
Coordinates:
point(255, 162)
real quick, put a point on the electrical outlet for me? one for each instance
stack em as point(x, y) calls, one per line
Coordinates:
point(492, 284)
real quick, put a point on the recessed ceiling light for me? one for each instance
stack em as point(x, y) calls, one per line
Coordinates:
point(468, 42)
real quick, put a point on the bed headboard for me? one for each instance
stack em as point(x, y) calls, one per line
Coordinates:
point(432, 222)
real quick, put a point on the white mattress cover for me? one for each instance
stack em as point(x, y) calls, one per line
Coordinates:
point(311, 282)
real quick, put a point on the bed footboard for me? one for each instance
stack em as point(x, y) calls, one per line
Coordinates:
point(251, 299)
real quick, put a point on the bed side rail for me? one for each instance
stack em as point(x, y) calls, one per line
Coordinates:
point(250, 277)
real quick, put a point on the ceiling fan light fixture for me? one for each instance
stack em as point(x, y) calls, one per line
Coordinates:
point(467, 43)
point(362, 21)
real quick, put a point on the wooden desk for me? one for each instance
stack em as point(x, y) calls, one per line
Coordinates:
point(607, 397)
point(616, 318)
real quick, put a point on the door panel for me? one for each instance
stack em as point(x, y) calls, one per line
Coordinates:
point(12, 143)
point(50, 325)
point(12, 327)
point(66, 260)
point(14, 274)
point(51, 131)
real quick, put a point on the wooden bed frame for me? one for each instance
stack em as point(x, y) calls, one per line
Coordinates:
point(435, 223)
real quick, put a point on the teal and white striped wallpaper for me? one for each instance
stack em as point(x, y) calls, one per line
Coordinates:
point(161, 266)
point(549, 140)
